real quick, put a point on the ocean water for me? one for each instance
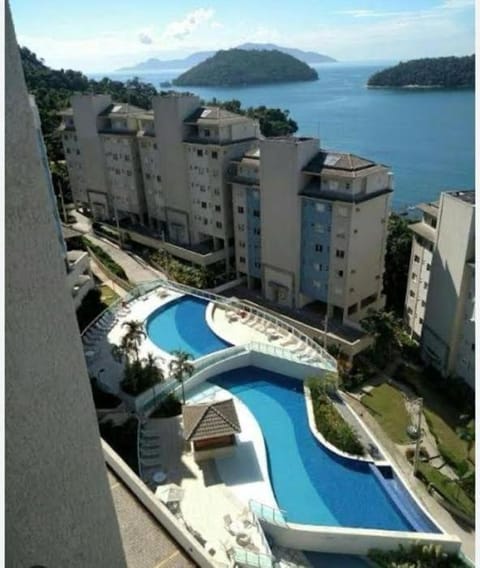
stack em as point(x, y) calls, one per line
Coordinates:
point(426, 136)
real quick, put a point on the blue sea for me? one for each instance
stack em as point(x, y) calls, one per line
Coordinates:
point(426, 136)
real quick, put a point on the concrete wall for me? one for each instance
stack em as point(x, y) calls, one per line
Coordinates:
point(170, 112)
point(280, 181)
point(58, 506)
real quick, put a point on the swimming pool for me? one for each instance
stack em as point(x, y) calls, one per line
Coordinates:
point(312, 484)
point(181, 324)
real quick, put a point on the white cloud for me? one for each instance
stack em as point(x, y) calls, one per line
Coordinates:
point(180, 29)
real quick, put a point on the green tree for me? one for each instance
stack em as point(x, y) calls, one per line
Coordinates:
point(384, 327)
point(416, 556)
point(130, 342)
point(397, 261)
point(180, 368)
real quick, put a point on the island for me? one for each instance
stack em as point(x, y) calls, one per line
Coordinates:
point(246, 67)
point(437, 72)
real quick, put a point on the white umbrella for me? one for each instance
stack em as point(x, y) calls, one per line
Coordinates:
point(170, 493)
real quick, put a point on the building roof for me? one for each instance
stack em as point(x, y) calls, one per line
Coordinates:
point(210, 420)
point(429, 208)
point(212, 114)
point(467, 196)
point(121, 109)
point(326, 161)
point(424, 230)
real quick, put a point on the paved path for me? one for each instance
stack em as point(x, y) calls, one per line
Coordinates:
point(136, 269)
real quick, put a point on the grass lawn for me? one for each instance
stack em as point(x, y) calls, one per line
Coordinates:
point(386, 404)
point(449, 490)
point(443, 418)
point(108, 295)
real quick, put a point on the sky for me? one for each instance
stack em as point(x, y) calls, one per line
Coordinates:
point(103, 35)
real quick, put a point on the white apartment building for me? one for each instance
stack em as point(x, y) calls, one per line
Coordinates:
point(163, 170)
point(440, 298)
point(311, 226)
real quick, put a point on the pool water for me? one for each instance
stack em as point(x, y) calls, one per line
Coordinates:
point(312, 484)
point(182, 325)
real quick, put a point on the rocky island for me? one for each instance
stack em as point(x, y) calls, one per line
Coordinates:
point(246, 67)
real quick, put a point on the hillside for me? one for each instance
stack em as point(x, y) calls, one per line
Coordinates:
point(154, 64)
point(446, 72)
point(247, 67)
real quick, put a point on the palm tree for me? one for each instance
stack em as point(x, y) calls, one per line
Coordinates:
point(130, 343)
point(180, 368)
point(153, 373)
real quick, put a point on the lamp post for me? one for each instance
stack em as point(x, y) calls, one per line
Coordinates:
point(419, 438)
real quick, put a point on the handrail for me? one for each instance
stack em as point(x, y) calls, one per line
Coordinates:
point(260, 507)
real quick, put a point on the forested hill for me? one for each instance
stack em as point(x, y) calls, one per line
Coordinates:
point(447, 72)
point(53, 88)
point(247, 67)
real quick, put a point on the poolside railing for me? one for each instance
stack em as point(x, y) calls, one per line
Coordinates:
point(267, 513)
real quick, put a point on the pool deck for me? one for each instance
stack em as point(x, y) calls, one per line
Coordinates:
point(222, 486)
point(224, 321)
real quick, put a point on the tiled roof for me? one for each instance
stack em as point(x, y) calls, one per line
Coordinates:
point(326, 160)
point(202, 421)
point(212, 114)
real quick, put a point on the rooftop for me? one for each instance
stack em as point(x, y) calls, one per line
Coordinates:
point(122, 109)
point(202, 421)
point(429, 208)
point(208, 115)
point(467, 196)
point(424, 230)
point(326, 161)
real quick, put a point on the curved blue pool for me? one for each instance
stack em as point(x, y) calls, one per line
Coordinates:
point(311, 483)
point(182, 324)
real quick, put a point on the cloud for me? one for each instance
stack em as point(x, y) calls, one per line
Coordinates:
point(145, 38)
point(180, 29)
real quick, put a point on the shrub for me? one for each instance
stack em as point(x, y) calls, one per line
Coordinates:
point(183, 273)
point(169, 407)
point(106, 260)
point(137, 377)
point(416, 556)
point(90, 308)
point(331, 424)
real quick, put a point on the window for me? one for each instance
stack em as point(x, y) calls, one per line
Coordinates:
point(241, 227)
point(129, 173)
point(256, 231)
point(241, 244)
point(317, 284)
point(409, 311)
point(347, 185)
point(205, 221)
point(412, 294)
point(218, 208)
point(256, 213)
point(219, 225)
point(343, 212)
point(341, 235)
point(319, 207)
point(423, 303)
point(148, 176)
point(340, 273)
point(340, 253)
point(240, 209)
point(425, 285)
point(78, 152)
point(159, 179)
point(242, 259)
point(206, 132)
point(318, 228)
point(414, 276)
point(127, 158)
point(216, 192)
point(68, 150)
point(215, 156)
point(428, 267)
point(202, 188)
point(199, 153)
point(416, 258)
point(317, 267)
point(355, 231)
point(420, 320)
point(204, 205)
point(318, 248)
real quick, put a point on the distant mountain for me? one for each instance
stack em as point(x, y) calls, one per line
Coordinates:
point(445, 72)
point(247, 67)
point(153, 64)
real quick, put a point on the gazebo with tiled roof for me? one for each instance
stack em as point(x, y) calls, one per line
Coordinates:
point(211, 428)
